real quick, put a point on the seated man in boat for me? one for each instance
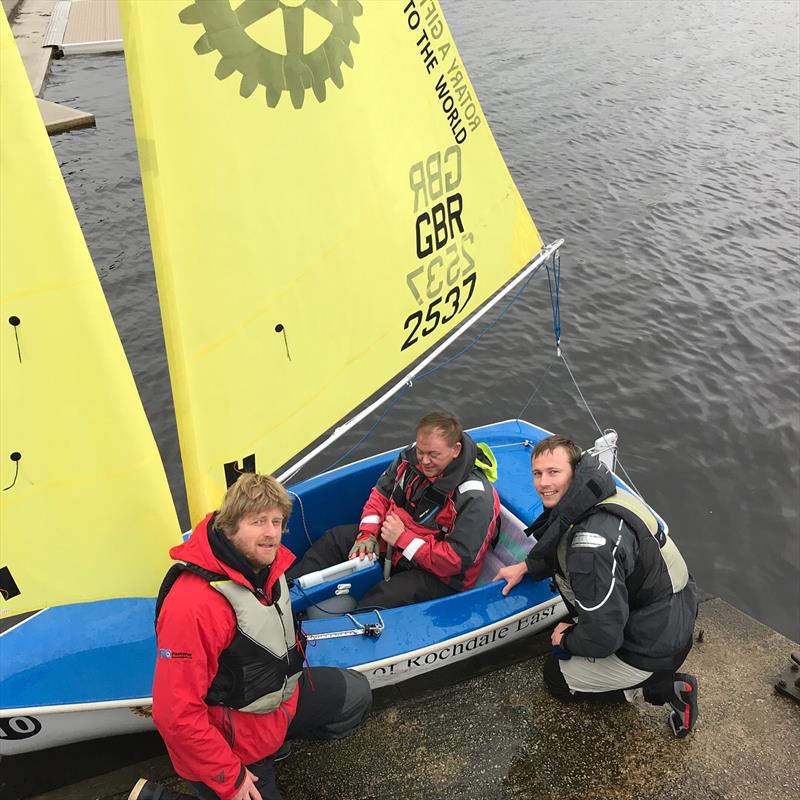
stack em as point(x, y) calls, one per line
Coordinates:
point(630, 596)
point(434, 506)
point(229, 685)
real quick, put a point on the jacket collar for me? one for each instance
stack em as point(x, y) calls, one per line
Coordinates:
point(222, 548)
point(591, 483)
point(456, 471)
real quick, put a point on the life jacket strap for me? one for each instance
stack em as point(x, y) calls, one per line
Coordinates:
point(174, 572)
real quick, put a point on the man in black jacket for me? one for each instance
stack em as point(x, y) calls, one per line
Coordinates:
point(630, 597)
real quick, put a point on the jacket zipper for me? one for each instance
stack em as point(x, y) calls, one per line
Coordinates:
point(283, 625)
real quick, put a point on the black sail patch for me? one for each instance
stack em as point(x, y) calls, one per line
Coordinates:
point(8, 586)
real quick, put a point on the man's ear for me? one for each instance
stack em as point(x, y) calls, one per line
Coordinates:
point(457, 448)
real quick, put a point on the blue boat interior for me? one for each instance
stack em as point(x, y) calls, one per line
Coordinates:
point(424, 624)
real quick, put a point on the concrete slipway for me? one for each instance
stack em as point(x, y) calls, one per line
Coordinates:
point(499, 736)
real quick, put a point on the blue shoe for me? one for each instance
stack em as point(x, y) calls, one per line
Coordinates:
point(684, 705)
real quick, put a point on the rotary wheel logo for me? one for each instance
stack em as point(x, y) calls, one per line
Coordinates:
point(283, 45)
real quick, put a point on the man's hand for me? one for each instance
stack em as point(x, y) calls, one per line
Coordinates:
point(512, 575)
point(248, 791)
point(392, 528)
point(558, 633)
point(366, 548)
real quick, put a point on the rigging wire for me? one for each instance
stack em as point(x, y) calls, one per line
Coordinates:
point(372, 427)
point(553, 271)
point(431, 371)
point(554, 283)
point(536, 390)
point(486, 330)
point(302, 515)
point(594, 419)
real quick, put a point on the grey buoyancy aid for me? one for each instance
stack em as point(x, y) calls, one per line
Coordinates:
point(658, 554)
point(261, 666)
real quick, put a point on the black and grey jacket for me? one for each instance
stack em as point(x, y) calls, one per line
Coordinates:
point(621, 576)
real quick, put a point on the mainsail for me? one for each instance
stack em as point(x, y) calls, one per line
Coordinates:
point(85, 510)
point(326, 202)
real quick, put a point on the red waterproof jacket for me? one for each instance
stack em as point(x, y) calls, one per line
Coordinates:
point(196, 623)
point(448, 532)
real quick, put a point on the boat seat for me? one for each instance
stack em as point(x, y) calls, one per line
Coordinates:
point(320, 587)
point(511, 547)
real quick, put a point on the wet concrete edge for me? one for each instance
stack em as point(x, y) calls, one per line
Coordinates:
point(500, 735)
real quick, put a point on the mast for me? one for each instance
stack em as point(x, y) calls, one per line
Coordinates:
point(534, 265)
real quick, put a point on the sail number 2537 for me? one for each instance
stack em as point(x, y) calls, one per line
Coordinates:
point(439, 311)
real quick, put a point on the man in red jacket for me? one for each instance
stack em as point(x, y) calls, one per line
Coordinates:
point(435, 505)
point(229, 684)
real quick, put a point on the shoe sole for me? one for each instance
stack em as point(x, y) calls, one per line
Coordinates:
point(137, 789)
point(683, 724)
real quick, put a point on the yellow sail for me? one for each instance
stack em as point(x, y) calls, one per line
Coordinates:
point(85, 510)
point(326, 202)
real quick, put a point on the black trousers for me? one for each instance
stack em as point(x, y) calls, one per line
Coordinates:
point(406, 586)
point(333, 703)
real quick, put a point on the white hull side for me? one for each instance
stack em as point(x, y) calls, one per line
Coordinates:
point(24, 733)
point(409, 665)
point(26, 730)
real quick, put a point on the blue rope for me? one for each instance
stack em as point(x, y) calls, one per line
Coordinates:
point(486, 330)
point(554, 283)
point(357, 610)
point(374, 425)
point(430, 372)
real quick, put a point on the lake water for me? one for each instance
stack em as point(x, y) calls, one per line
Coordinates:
point(662, 141)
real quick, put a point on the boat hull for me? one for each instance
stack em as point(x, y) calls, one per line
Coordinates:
point(396, 669)
point(85, 671)
point(41, 728)
point(46, 728)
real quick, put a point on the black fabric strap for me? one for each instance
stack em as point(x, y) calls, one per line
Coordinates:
point(174, 572)
point(426, 504)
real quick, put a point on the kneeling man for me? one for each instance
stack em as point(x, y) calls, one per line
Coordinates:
point(632, 601)
point(229, 684)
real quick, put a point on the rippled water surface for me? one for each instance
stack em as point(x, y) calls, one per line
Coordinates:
point(661, 140)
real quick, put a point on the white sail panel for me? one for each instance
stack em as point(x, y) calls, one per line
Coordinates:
point(326, 201)
point(85, 510)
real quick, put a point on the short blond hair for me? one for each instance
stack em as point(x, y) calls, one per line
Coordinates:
point(250, 494)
